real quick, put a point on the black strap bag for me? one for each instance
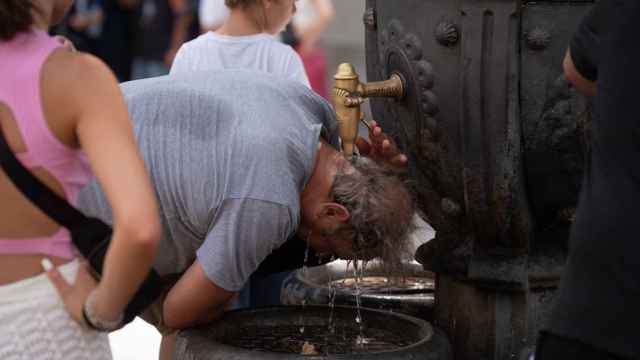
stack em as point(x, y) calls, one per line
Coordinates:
point(90, 236)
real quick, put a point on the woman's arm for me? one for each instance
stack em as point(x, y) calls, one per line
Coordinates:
point(82, 87)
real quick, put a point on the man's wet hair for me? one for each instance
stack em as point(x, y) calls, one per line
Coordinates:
point(381, 207)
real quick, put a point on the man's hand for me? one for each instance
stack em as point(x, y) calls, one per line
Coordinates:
point(381, 148)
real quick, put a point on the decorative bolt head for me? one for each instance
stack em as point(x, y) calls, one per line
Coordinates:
point(450, 207)
point(429, 103)
point(538, 39)
point(447, 33)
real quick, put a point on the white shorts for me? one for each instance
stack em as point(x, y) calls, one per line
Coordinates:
point(34, 324)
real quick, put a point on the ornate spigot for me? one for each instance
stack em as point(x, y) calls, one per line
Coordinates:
point(349, 94)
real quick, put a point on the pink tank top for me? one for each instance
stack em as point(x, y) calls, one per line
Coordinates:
point(21, 62)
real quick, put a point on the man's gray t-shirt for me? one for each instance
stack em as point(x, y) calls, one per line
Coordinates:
point(229, 154)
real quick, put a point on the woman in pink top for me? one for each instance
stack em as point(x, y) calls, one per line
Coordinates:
point(59, 109)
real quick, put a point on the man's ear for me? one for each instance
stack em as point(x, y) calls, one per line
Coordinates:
point(334, 211)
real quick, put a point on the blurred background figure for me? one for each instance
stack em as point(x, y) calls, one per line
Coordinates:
point(118, 35)
point(163, 26)
point(212, 14)
point(309, 24)
point(83, 25)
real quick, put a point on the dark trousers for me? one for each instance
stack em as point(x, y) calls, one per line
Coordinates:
point(552, 347)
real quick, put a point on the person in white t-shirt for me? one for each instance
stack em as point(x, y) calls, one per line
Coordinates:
point(246, 40)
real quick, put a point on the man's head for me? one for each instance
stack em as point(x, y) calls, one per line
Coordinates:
point(368, 213)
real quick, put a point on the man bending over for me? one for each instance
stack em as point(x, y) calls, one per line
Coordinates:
point(242, 162)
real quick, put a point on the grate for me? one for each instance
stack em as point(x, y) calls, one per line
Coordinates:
point(386, 285)
point(345, 339)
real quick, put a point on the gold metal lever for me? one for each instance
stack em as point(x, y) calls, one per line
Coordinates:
point(349, 94)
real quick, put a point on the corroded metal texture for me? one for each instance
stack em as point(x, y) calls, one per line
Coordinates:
point(497, 141)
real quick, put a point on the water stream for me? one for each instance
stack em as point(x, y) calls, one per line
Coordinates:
point(332, 291)
point(359, 268)
point(304, 274)
point(332, 301)
point(358, 274)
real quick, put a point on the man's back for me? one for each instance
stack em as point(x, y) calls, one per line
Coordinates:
point(229, 154)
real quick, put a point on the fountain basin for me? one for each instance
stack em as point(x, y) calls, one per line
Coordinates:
point(413, 296)
point(281, 333)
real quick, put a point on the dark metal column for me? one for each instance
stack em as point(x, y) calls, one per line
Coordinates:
point(496, 139)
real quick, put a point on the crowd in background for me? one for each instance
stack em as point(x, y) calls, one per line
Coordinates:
point(140, 38)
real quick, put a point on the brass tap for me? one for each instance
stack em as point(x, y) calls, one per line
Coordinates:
point(349, 94)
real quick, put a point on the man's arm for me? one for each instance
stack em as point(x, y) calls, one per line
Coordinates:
point(583, 85)
point(241, 236)
point(194, 300)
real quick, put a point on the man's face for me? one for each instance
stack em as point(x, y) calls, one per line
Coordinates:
point(340, 243)
point(327, 240)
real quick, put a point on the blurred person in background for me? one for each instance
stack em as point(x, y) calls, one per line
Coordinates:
point(58, 110)
point(309, 23)
point(118, 34)
point(163, 26)
point(83, 25)
point(246, 40)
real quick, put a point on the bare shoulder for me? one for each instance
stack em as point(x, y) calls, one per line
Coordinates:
point(76, 86)
point(73, 81)
point(76, 71)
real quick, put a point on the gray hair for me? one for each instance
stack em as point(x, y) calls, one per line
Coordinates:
point(381, 208)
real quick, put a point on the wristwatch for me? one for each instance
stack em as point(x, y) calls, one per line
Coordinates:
point(93, 321)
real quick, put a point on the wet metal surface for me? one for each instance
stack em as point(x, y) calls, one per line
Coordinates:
point(411, 292)
point(386, 285)
point(344, 340)
point(321, 331)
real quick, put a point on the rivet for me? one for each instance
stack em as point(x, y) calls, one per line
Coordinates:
point(446, 33)
point(538, 39)
point(450, 207)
